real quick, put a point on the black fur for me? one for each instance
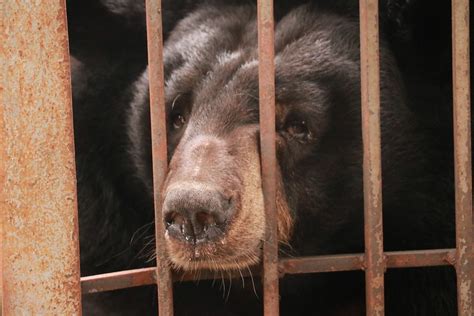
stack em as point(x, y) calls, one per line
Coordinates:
point(317, 79)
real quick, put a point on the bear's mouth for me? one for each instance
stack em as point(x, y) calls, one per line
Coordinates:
point(217, 255)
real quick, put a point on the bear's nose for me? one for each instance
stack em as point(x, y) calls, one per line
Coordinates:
point(196, 213)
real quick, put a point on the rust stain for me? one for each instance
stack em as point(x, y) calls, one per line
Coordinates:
point(39, 210)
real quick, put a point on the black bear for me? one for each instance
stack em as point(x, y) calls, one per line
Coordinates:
point(213, 206)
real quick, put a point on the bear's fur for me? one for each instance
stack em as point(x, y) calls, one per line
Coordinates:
point(211, 80)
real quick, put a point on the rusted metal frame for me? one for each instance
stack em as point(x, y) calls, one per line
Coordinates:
point(316, 264)
point(164, 278)
point(462, 154)
point(266, 78)
point(39, 200)
point(370, 93)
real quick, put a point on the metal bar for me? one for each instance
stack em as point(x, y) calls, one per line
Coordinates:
point(266, 78)
point(39, 201)
point(420, 258)
point(159, 150)
point(316, 264)
point(118, 280)
point(370, 90)
point(3, 159)
point(462, 154)
point(147, 276)
point(349, 262)
point(333, 263)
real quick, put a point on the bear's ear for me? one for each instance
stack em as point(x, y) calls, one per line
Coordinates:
point(101, 28)
point(96, 33)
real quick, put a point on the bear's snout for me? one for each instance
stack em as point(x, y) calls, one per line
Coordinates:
point(197, 212)
point(213, 203)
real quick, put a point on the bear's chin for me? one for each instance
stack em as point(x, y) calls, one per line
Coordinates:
point(214, 256)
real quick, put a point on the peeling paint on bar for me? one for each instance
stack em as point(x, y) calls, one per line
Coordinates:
point(39, 204)
point(370, 92)
point(159, 150)
point(462, 153)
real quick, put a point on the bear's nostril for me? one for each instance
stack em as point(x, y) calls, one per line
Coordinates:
point(175, 220)
point(205, 219)
point(197, 214)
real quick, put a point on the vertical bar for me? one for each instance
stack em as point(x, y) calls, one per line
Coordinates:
point(2, 170)
point(2, 155)
point(462, 156)
point(370, 85)
point(158, 138)
point(2, 198)
point(266, 77)
point(39, 206)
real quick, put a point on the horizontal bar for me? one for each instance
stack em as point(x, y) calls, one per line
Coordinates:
point(118, 280)
point(38, 202)
point(147, 276)
point(349, 262)
point(332, 263)
point(420, 258)
point(316, 264)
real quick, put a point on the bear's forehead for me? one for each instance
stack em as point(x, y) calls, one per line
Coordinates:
point(217, 63)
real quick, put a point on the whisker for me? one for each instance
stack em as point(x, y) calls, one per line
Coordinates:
point(230, 287)
point(144, 228)
point(280, 250)
point(240, 272)
point(223, 284)
point(253, 282)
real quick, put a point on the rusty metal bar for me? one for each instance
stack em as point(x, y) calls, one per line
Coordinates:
point(39, 201)
point(3, 159)
point(332, 263)
point(370, 93)
point(118, 280)
point(462, 154)
point(2, 182)
point(1, 232)
point(147, 276)
point(159, 150)
point(266, 78)
point(420, 258)
point(316, 264)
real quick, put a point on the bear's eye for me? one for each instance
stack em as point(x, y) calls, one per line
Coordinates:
point(178, 120)
point(298, 129)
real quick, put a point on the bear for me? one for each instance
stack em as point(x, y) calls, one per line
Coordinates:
point(213, 206)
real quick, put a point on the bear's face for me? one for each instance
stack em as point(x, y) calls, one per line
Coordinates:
point(213, 202)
